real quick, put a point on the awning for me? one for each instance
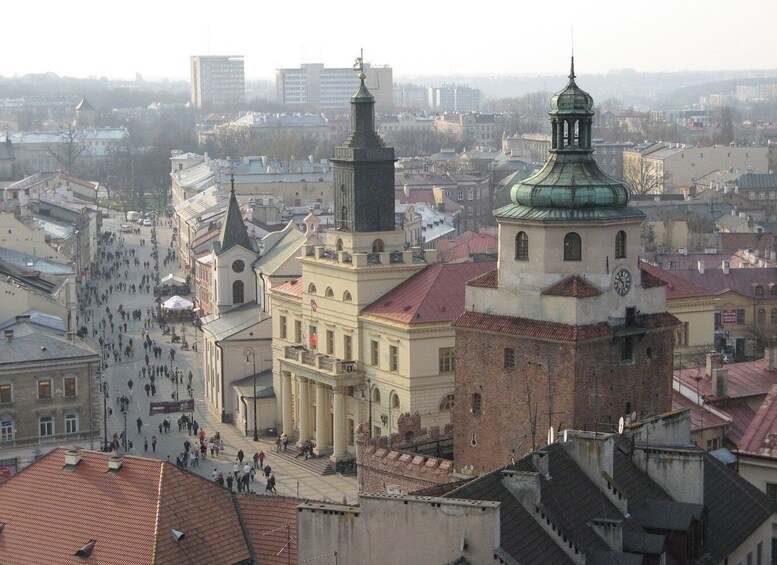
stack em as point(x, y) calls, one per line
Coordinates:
point(171, 278)
point(177, 303)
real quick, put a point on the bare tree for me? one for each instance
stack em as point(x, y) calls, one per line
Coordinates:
point(69, 149)
point(643, 177)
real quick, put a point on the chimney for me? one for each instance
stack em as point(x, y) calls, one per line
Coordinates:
point(114, 463)
point(72, 457)
point(771, 353)
point(713, 361)
point(8, 335)
point(701, 267)
point(720, 382)
point(726, 267)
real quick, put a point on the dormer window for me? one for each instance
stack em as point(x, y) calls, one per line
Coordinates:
point(759, 290)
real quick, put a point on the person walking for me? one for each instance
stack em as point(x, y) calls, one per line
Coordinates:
point(139, 422)
point(271, 480)
point(145, 443)
point(278, 444)
point(230, 480)
point(240, 456)
point(285, 441)
point(261, 460)
point(153, 442)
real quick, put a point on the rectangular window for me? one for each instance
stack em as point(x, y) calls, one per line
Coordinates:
point(627, 349)
point(44, 389)
point(447, 360)
point(759, 553)
point(350, 432)
point(718, 318)
point(771, 491)
point(6, 394)
point(347, 347)
point(70, 386)
point(46, 426)
point(374, 353)
point(71, 424)
point(509, 358)
point(330, 342)
point(282, 332)
point(393, 358)
point(713, 444)
point(297, 331)
point(313, 337)
point(6, 430)
point(740, 316)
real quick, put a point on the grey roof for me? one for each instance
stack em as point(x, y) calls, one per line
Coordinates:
point(754, 180)
point(264, 388)
point(31, 345)
point(32, 263)
point(6, 151)
point(39, 318)
point(233, 321)
point(279, 247)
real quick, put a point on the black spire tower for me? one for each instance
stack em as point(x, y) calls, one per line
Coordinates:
point(363, 170)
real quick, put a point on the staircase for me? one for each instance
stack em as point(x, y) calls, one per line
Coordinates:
point(319, 465)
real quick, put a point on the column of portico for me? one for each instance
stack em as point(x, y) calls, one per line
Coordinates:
point(338, 433)
point(304, 411)
point(321, 413)
point(286, 399)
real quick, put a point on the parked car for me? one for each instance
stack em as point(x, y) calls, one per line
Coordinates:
point(125, 228)
point(148, 222)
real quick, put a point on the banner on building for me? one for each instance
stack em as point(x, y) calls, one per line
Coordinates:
point(168, 407)
point(728, 316)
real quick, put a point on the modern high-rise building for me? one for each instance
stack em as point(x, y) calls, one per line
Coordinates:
point(218, 81)
point(454, 98)
point(315, 88)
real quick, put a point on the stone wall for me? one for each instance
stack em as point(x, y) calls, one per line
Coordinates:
point(384, 467)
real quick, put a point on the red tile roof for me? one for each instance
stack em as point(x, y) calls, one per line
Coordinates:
point(649, 281)
point(271, 522)
point(433, 295)
point(51, 511)
point(761, 436)
point(574, 286)
point(677, 288)
point(741, 415)
point(700, 419)
point(467, 244)
point(551, 330)
point(750, 378)
point(292, 288)
point(488, 280)
point(742, 281)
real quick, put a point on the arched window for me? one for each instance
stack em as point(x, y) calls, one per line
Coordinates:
point(347, 296)
point(311, 288)
point(476, 403)
point(620, 245)
point(521, 246)
point(339, 244)
point(573, 248)
point(376, 396)
point(761, 316)
point(395, 400)
point(446, 404)
point(237, 292)
point(377, 246)
point(329, 293)
point(774, 315)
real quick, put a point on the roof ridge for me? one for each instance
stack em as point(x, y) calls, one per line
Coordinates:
point(157, 516)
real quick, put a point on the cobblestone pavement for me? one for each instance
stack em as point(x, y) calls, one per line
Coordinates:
point(294, 477)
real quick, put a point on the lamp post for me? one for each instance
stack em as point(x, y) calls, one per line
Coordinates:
point(250, 351)
point(176, 383)
point(124, 413)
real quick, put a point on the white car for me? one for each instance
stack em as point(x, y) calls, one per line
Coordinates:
point(126, 228)
point(148, 222)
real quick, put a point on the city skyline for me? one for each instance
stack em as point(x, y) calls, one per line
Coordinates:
point(608, 35)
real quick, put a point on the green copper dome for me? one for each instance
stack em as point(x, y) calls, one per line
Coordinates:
point(573, 100)
point(570, 180)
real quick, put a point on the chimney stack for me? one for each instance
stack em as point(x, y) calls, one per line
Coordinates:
point(714, 361)
point(720, 382)
point(114, 463)
point(701, 267)
point(771, 353)
point(726, 267)
point(72, 457)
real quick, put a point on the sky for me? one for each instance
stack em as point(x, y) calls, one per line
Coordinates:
point(425, 37)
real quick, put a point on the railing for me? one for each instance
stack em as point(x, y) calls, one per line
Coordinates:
point(318, 360)
point(397, 257)
point(373, 258)
point(629, 324)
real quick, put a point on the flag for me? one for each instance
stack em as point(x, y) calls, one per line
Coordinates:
point(313, 305)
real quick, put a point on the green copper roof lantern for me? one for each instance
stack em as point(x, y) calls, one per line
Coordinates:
point(571, 179)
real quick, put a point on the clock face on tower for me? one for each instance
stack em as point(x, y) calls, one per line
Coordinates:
point(238, 266)
point(621, 282)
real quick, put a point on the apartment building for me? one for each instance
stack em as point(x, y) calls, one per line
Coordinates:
point(217, 81)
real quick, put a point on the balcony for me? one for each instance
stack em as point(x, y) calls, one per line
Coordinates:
point(629, 325)
point(413, 255)
point(320, 367)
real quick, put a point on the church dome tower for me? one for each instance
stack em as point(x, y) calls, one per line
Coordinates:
point(567, 326)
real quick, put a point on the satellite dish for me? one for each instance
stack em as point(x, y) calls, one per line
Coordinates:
point(565, 436)
point(621, 423)
point(551, 435)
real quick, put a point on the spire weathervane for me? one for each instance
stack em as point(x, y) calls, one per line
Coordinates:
point(232, 182)
point(359, 64)
point(572, 68)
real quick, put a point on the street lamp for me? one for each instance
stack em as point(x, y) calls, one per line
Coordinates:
point(124, 413)
point(250, 351)
point(176, 384)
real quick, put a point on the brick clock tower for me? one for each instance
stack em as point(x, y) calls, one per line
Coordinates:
point(567, 332)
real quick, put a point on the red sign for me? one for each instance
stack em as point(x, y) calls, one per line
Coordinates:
point(728, 316)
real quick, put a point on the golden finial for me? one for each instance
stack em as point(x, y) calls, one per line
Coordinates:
point(359, 64)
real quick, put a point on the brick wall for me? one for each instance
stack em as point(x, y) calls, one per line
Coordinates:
point(382, 463)
point(570, 385)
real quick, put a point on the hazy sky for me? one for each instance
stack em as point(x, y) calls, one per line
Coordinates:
point(118, 39)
